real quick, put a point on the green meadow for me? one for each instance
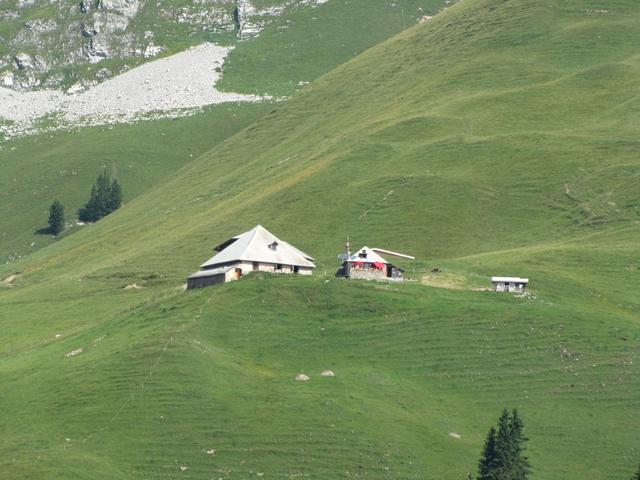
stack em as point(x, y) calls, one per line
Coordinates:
point(498, 138)
point(294, 49)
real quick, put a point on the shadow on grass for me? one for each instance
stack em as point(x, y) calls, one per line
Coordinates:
point(43, 231)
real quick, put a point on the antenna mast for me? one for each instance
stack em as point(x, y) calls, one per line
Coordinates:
point(348, 269)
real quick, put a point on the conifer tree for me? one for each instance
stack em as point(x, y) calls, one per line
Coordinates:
point(637, 475)
point(115, 200)
point(103, 194)
point(487, 463)
point(503, 448)
point(106, 197)
point(519, 463)
point(56, 217)
point(503, 455)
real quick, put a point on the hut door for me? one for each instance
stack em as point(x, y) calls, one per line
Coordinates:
point(238, 273)
point(389, 271)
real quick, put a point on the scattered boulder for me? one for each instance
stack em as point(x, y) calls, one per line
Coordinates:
point(102, 73)
point(302, 378)
point(128, 8)
point(85, 6)
point(327, 373)
point(152, 51)
point(26, 3)
point(96, 51)
point(87, 30)
point(110, 22)
point(24, 61)
point(75, 352)
point(41, 26)
point(457, 436)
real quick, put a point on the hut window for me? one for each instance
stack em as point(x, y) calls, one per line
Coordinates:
point(279, 266)
point(273, 246)
point(256, 266)
point(362, 254)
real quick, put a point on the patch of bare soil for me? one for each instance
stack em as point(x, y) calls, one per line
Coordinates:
point(8, 280)
point(445, 280)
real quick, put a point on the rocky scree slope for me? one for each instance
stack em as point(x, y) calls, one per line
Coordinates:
point(70, 43)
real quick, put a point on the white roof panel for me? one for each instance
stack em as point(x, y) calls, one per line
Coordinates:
point(211, 272)
point(369, 256)
point(509, 280)
point(260, 245)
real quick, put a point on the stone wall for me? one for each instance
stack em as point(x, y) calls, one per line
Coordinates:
point(362, 274)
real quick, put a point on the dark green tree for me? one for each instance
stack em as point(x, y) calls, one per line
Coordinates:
point(88, 213)
point(487, 463)
point(503, 455)
point(106, 197)
point(519, 463)
point(637, 474)
point(115, 199)
point(56, 217)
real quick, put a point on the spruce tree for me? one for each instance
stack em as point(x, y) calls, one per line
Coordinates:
point(637, 475)
point(106, 197)
point(89, 212)
point(56, 217)
point(103, 195)
point(503, 455)
point(115, 200)
point(519, 463)
point(503, 448)
point(487, 463)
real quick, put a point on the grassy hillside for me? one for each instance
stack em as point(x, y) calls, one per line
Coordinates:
point(37, 169)
point(499, 138)
point(298, 46)
point(304, 43)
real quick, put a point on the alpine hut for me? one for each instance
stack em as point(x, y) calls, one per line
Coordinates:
point(368, 264)
point(509, 284)
point(257, 250)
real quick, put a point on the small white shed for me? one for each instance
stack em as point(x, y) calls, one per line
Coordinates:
point(509, 284)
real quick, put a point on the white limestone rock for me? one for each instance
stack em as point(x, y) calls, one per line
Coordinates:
point(7, 80)
point(41, 26)
point(24, 61)
point(152, 51)
point(26, 3)
point(109, 22)
point(128, 8)
point(96, 51)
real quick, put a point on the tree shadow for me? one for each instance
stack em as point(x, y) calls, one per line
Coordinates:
point(43, 231)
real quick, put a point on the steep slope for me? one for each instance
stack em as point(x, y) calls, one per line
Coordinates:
point(58, 43)
point(296, 46)
point(500, 137)
point(64, 165)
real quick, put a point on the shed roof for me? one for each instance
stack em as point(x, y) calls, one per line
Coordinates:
point(212, 271)
point(509, 280)
point(369, 256)
point(259, 245)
